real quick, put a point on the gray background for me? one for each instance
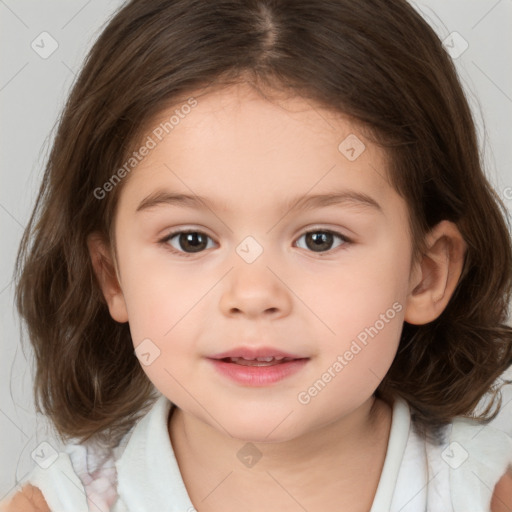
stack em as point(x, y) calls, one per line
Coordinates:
point(33, 90)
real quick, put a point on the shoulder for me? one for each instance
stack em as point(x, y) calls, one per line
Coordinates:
point(484, 444)
point(28, 499)
point(502, 497)
point(490, 453)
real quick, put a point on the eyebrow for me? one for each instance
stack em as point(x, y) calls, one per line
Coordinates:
point(306, 202)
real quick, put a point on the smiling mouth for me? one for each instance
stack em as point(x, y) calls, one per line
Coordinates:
point(258, 361)
point(257, 368)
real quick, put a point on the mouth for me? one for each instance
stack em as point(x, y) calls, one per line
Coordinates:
point(257, 366)
point(258, 361)
point(256, 356)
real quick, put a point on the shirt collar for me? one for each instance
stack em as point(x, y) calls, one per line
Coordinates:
point(149, 478)
point(148, 474)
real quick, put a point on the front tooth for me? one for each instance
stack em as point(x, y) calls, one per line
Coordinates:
point(265, 359)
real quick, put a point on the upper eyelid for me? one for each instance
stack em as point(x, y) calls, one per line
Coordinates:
point(200, 230)
point(313, 229)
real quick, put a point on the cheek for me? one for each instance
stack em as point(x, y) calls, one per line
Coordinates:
point(160, 294)
point(355, 359)
point(363, 306)
point(166, 302)
point(355, 295)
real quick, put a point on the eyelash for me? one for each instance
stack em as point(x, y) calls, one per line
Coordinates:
point(165, 241)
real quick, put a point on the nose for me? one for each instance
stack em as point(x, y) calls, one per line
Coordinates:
point(255, 290)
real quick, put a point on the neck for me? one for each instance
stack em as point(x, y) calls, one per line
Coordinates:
point(341, 459)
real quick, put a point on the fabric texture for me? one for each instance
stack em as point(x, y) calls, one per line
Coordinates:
point(458, 475)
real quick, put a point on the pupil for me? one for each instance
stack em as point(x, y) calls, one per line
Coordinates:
point(191, 239)
point(321, 240)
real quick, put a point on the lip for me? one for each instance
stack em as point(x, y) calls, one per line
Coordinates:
point(254, 352)
point(257, 376)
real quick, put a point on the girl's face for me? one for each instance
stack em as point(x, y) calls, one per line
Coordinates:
point(272, 267)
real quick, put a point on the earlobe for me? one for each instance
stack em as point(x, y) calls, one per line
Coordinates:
point(107, 276)
point(440, 270)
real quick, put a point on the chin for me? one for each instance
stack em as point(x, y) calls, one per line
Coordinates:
point(263, 427)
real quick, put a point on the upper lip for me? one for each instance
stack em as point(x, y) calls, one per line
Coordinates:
point(255, 352)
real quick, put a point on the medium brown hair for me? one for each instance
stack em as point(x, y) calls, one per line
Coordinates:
point(376, 61)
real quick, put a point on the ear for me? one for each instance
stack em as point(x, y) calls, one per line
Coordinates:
point(108, 277)
point(436, 275)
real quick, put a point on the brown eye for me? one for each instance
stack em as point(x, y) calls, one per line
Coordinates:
point(187, 242)
point(322, 240)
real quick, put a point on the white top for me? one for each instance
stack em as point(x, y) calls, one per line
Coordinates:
point(418, 476)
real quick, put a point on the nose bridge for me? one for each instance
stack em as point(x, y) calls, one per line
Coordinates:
point(253, 286)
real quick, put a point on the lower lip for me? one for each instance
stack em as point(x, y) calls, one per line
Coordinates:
point(258, 375)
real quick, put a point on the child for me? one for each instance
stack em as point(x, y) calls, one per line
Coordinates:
point(265, 270)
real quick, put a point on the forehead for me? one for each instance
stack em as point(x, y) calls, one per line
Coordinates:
point(243, 150)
